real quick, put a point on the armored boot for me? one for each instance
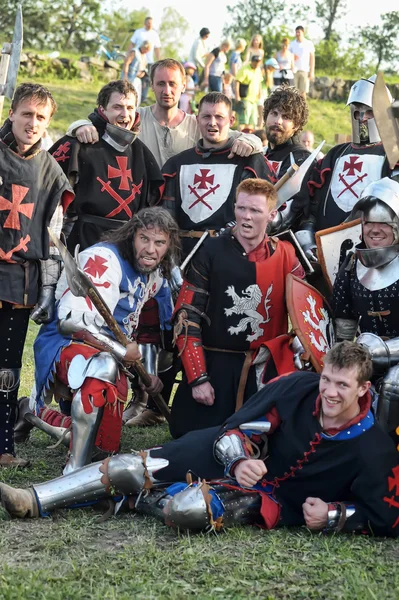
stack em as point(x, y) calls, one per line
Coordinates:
point(22, 427)
point(61, 434)
point(135, 407)
point(124, 474)
point(84, 432)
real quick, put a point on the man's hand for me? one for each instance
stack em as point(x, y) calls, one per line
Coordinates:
point(204, 394)
point(87, 134)
point(156, 386)
point(249, 472)
point(240, 148)
point(132, 353)
point(315, 513)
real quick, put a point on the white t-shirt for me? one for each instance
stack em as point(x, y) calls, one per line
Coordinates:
point(146, 35)
point(302, 51)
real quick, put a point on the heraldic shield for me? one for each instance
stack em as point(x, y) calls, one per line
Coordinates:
point(334, 244)
point(311, 319)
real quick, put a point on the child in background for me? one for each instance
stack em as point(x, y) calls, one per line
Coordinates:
point(227, 85)
point(187, 98)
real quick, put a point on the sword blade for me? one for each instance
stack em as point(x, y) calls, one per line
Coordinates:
point(293, 185)
point(16, 49)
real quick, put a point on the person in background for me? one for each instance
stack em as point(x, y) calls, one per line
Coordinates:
point(304, 54)
point(135, 68)
point(307, 140)
point(255, 49)
point(146, 34)
point(215, 67)
point(199, 51)
point(235, 62)
point(248, 91)
point(285, 60)
point(228, 85)
point(187, 97)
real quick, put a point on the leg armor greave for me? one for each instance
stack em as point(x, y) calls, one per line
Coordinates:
point(125, 474)
point(388, 401)
point(84, 432)
point(203, 507)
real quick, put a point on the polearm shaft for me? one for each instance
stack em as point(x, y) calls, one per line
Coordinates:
point(81, 285)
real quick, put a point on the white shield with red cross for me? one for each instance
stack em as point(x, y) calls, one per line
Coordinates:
point(311, 319)
point(204, 189)
point(352, 173)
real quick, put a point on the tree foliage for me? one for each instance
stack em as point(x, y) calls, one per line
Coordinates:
point(333, 59)
point(329, 12)
point(382, 40)
point(249, 17)
point(171, 32)
point(36, 19)
point(120, 24)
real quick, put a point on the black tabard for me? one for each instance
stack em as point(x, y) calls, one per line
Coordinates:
point(351, 299)
point(335, 184)
point(200, 186)
point(30, 190)
point(278, 159)
point(111, 185)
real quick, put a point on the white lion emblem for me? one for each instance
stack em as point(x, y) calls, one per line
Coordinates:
point(247, 305)
point(318, 324)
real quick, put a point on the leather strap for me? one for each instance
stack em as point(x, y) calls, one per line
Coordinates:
point(243, 378)
point(197, 234)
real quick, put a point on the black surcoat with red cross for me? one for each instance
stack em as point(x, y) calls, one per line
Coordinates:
point(111, 185)
point(30, 191)
point(200, 186)
point(337, 181)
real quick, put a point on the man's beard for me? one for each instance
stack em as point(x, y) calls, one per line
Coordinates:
point(276, 137)
point(144, 270)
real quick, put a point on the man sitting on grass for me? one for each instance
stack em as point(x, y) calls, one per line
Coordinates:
point(324, 463)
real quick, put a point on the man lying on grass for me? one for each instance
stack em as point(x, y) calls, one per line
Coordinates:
point(324, 463)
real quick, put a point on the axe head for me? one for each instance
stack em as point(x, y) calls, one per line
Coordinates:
point(15, 55)
point(293, 184)
point(387, 124)
point(78, 281)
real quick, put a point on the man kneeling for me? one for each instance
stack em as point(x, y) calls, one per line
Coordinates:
point(324, 463)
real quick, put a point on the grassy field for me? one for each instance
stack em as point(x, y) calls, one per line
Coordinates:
point(72, 557)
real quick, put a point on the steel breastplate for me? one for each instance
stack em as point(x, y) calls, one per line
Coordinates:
point(373, 278)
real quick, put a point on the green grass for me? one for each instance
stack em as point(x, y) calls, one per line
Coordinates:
point(72, 557)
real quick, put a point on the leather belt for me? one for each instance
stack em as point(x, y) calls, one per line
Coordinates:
point(197, 234)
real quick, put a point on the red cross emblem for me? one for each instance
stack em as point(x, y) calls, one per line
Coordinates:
point(18, 193)
point(203, 179)
point(62, 151)
point(393, 486)
point(96, 266)
point(123, 172)
point(274, 167)
point(351, 166)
